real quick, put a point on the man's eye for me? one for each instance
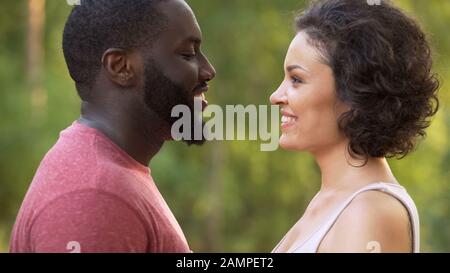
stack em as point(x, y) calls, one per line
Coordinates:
point(188, 56)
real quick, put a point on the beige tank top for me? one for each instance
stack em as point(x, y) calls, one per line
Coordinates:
point(312, 244)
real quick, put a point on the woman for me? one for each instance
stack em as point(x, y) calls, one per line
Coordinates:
point(357, 89)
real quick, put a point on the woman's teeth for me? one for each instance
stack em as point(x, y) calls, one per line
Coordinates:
point(286, 119)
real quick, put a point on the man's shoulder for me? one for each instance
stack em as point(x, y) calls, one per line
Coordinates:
point(117, 179)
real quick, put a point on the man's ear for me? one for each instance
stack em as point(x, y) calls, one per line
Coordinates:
point(119, 67)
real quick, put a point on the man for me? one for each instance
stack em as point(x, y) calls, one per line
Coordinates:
point(132, 62)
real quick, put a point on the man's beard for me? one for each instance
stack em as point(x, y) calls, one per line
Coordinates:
point(161, 95)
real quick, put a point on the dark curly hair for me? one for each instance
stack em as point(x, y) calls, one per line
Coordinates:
point(96, 25)
point(381, 61)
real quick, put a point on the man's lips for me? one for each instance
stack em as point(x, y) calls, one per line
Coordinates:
point(199, 93)
point(202, 88)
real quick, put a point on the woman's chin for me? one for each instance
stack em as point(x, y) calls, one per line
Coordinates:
point(290, 143)
point(287, 143)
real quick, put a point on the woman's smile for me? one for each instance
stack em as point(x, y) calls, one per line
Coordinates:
point(287, 120)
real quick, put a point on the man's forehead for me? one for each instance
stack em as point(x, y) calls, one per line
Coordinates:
point(181, 19)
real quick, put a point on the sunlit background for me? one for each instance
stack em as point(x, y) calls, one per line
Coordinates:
point(227, 196)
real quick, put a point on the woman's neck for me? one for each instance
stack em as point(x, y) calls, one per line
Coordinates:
point(341, 172)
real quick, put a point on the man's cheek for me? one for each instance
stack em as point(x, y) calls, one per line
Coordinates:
point(189, 78)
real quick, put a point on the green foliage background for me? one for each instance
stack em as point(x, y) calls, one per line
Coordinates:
point(227, 196)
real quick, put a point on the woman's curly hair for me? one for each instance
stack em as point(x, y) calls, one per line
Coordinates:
point(381, 61)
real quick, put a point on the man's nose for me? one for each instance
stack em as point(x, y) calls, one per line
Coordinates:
point(207, 71)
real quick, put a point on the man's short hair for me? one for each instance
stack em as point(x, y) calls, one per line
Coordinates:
point(96, 25)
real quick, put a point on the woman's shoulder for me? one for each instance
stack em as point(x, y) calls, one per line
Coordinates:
point(373, 221)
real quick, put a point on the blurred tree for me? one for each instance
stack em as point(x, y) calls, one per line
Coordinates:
point(227, 196)
point(35, 57)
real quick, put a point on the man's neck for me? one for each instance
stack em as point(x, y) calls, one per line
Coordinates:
point(138, 137)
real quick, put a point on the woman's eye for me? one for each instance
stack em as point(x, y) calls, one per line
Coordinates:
point(296, 80)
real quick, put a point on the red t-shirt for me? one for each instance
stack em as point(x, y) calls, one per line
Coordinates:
point(88, 195)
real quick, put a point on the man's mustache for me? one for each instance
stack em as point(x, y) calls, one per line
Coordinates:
point(201, 88)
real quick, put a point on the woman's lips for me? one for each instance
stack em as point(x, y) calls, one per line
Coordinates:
point(287, 119)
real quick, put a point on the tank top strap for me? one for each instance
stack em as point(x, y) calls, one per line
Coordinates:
point(397, 191)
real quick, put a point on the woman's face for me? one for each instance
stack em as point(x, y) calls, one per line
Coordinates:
point(308, 102)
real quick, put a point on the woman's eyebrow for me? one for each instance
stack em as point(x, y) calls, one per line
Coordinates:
point(296, 66)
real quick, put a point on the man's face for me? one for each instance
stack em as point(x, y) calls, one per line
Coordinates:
point(176, 71)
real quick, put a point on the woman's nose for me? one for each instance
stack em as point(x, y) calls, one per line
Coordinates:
point(279, 96)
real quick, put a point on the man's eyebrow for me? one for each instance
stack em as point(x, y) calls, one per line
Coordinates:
point(296, 66)
point(193, 39)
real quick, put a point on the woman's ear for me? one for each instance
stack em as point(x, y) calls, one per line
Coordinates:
point(341, 107)
point(119, 67)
